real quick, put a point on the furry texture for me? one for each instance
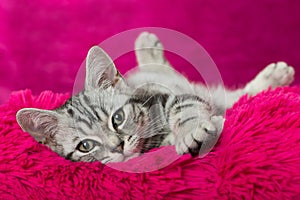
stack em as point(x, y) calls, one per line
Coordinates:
point(257, 157)
point(43, 40)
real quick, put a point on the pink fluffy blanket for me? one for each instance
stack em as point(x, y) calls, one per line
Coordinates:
point(257, 156)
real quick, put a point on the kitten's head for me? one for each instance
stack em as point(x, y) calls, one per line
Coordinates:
point(88, 126)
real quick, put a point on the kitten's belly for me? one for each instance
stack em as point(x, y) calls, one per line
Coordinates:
point(165, 83)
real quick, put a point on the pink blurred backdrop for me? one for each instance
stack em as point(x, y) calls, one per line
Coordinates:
point(43, 43)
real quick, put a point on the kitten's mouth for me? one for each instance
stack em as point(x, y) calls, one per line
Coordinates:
point(119, 148)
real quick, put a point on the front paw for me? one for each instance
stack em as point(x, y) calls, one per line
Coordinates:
point(200, 140)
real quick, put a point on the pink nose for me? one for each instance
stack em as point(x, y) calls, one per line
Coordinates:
point(119, 148)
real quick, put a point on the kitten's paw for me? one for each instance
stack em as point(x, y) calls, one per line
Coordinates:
point(278, 74)
point(149, 49)
point(200, 140)
point(274, 75)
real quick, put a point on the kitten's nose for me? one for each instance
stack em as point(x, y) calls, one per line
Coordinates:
point(119, 148)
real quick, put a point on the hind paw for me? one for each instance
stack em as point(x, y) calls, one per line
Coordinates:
point(274, 75)
point(149, 49)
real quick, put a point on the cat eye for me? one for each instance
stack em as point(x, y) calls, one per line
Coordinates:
point(86, 146)
point(118, 118)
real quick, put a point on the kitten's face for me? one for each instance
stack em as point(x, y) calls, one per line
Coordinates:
point(97, 124)
point(86, 130)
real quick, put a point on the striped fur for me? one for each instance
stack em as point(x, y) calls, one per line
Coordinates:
point(113, 121)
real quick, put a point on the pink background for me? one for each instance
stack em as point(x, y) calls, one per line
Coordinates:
point(43, 43)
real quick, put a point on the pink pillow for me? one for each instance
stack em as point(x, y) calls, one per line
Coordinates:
point(257, 157)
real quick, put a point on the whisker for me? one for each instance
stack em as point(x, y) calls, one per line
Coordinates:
point(150, 130)
point(147, 100)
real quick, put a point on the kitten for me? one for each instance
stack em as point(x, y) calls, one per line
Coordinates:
point(113, 120)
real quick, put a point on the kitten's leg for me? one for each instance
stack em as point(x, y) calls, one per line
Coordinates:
point(149, 50)
point(193, 125)
point(191, 119)
point(274, 75)
point(223, 98)
point(153, 66)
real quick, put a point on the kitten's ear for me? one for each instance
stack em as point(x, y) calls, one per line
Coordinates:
point(100, 70)
point(41, 124)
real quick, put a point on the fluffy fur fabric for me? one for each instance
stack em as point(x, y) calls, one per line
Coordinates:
point(257, 157)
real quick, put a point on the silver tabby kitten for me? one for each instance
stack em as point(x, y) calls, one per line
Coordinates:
point(112, 120)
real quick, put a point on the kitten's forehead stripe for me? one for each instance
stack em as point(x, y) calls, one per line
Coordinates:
point(81, 130)
point(96, 113)
point(86, 122)
point(85, 105)
point(104, 111)
point(86, 99)
point(82, 109)
point(75, 139)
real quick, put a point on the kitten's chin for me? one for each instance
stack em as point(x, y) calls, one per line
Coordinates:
point(120, 158)
point(134, 155)
point(114, 158)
